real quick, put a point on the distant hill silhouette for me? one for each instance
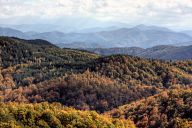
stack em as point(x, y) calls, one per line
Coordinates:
point(139, 36)
point(165, 52)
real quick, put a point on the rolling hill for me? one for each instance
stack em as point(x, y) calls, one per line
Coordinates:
point(139, 36)
point(164, 52)
point(168, 52)
point(25, 63)
point(168, 109)
point(62, 75)
point(17, 51)
point(12, 33)
point(75, 82)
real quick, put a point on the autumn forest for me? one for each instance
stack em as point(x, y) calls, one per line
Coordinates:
point(44, 86)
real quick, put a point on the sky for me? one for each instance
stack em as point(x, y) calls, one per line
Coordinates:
point(175, 14)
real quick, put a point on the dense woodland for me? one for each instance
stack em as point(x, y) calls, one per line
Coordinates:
point(44, 115)
point(170, 109)
point(87, 91)
point(35, 71)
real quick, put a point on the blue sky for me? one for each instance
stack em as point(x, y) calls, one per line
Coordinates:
point(169, 13)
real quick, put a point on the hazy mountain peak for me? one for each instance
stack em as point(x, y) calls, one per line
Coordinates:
point(141, 36)
point(4, 31)
point(53, 32)
point(143, 27)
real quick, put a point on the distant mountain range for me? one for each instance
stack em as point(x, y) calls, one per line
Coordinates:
point(12, 32)
point(165, 52)
point(138, 36)
point(66, 24)
point(189, 32)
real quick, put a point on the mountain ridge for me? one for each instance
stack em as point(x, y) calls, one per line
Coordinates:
point(140, 36)
point(164, 52)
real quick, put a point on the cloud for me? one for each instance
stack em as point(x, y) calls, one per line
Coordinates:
point(130, 11)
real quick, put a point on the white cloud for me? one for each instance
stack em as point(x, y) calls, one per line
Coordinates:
point(145, 11)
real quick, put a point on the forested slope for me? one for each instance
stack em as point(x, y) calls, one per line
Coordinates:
point(35, 71)
point(135, 70)
point(44, 115)
point(16, 51)
point(170, 109)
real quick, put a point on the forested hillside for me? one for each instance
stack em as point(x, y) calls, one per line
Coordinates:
point(170, 109)
point(17, 51)
point(135, 70)
point(163, 52)
point(44, 115)
point(39, 59)
point(35, 71)
point(87, 91)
